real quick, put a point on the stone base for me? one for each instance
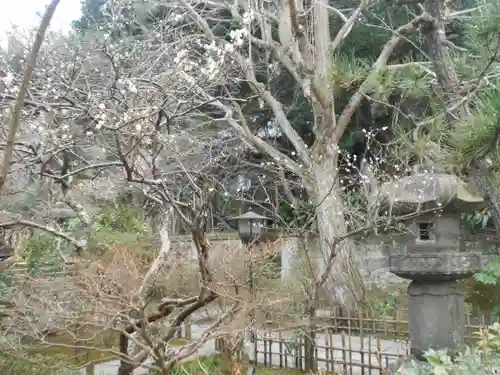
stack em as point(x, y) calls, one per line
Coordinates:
point(436, 317)
point(408, 365)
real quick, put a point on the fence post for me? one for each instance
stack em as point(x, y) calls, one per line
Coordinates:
point(270, 350)
point(255, 350)
point(90, 369)
point(327, 353)
point(349, 337)
point(370, 353)
point(361, 317)
point(344, 354)
point(280, 338)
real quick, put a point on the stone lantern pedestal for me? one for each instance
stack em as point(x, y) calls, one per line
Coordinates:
point(436, 316)
point(430, 255)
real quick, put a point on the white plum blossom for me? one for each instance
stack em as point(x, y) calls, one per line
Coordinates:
point(238, 36)
point(248, 17)
point(180, 56)
point(211, 47)
point(8, 79)
point(228, 48)
point(128, 84)
point(211, 70)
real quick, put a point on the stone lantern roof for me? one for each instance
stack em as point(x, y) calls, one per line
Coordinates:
point(427, 188)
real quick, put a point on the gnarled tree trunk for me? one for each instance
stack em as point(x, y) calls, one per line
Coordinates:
point(344, 282)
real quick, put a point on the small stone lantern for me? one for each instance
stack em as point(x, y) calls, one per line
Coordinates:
point(251, 227)
point(431, 254)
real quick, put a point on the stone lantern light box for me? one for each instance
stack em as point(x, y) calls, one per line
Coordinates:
point(251, 226)
point(429, 253)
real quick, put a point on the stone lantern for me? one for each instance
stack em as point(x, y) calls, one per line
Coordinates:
point(431, 254)
point(251, 227)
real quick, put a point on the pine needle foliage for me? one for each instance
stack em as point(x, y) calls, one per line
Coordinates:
point(478, 137)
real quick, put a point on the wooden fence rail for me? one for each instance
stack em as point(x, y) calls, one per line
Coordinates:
point(361, 343)
point(341, 353)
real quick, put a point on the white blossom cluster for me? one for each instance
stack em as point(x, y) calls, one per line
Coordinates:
point(212, 62)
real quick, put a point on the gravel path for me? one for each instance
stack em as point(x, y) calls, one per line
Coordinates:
point(387, 346)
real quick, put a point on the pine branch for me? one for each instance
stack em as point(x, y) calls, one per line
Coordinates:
point(399, 34)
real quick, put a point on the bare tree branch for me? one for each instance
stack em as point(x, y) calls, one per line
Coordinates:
point(30, 66)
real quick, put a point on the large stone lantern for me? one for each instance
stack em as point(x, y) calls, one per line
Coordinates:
point(431, 254)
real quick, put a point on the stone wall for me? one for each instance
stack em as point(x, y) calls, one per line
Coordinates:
point(372, 255)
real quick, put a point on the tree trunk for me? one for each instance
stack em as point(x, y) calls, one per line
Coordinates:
point(310, 363)
point(344, 282)
point(125, 368)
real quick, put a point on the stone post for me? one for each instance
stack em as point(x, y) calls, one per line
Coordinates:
point(436, 316)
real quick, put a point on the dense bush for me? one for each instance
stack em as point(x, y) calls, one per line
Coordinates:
point(114, 224)
point(23, 364)
point(481, 359)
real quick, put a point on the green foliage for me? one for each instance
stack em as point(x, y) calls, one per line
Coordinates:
point(477, 220)
point(211, 364)
point(479, 137)
point(266, 271)
point(217, 365)
point(481, 359)
point(293, 343)
point(116, 223)
point(490, 274)
point(120, 223)
point(386, 306)
point(296, 217)
point(368, 38)
point(120, 217)
point(480, 31)
point(7, 285)
point(92, 14)
point(33, 364)
point(347, 71)
point(489, 277)
point(41, 250)
point(20, 206)
point(203, 365)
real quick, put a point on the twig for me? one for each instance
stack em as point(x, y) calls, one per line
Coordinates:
point(79, 244)
point(16, 116)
